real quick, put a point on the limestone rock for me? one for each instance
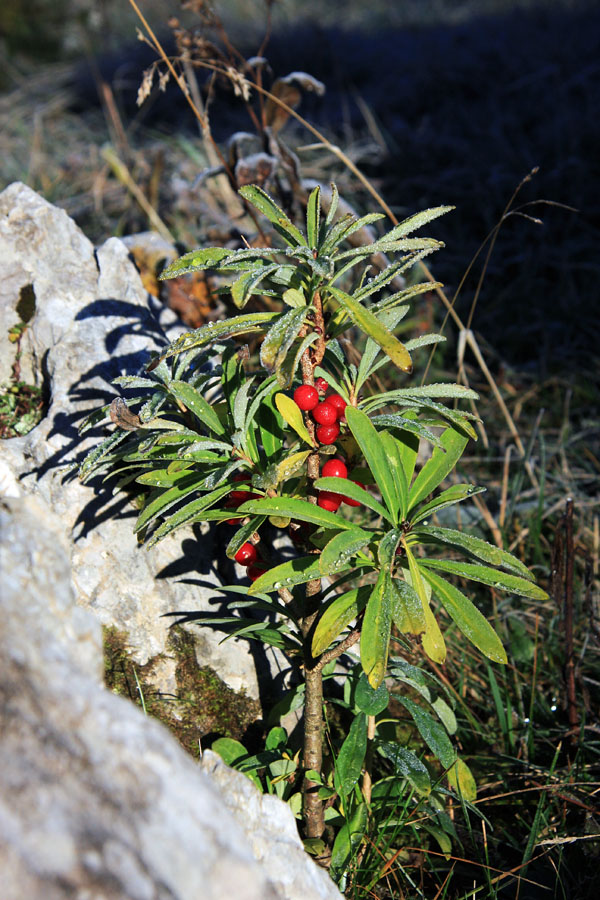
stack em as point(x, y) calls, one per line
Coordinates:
point(91, 321)
point(96, 800)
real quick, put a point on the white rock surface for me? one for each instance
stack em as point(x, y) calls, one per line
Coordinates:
point(92, 323)
point(98, 802)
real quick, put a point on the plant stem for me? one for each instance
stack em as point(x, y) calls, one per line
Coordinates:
point(313, 706)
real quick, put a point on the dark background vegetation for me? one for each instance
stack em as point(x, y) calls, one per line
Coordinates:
point(437, 102)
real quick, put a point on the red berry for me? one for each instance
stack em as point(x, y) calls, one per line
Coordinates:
point(327, 434)
point(321, 385)
point(254, 572)
point(239, 496)
point(306, 397)
point(232, 521)
point(329, 500)
point(325, 413)
point(338, 402)
point(334, 468)
point(241, 476)
point(351, 502)
point(246, 555)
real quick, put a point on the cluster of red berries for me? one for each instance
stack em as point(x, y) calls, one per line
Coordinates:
point(247, 556)
point(329, 500)
point(326, 412)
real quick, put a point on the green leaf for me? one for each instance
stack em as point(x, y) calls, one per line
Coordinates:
point(460, 778)
point(347, 841)
point(216, 331)
point(270, 425)
point(344, 227)
point(364, 319)
point(280, 337)
point(375, 634)
point(243, 534)
point(438, 466)
point(370, 701)
point(407, 765)
point(476, 547)
point(264, 204)
point(467, 617)
point(444, 389)
point(196, 403)
point(246, 284)
point(98, 456)
point(383, 245)
point(367, 439)
point(408, 614)
point(197, 510)
point(294, 297)
point(413, 223)
point(276, 738)
point(287, 370)
point(433, 639)
point(337, 615)
point(406, 426)
point(333, 205)
point(160, 500)
point(347, 488)
point(449, 497)
point(294, 508)
point(433, 732)
point(296, 571)
point(350, 759)
point(290, 465)
point(293, 416)
point(196, 260)
point(313, 213)
point(393, 451)
point(445, 714)
point(341, 548)
point(230, 750)
point(499, 580)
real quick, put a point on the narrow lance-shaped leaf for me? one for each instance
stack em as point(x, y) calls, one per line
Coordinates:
point(512, 584)
point(290, 465)
point(413, 223)
point(246, 284)
point(348, 764)
point(367, 439)
point(294, 508)
point(264, 204)
point(243, 534)
point(337, 615)
point(296, 571)
point(438, 466)
point(393, 452)
point(195, 402)
point(195, 260)
point(461, 779)
point(196, 511)
point(408, 614)
point(475, 546)
point(372, 327)
point(280, 337)
point(432, 732)
point(293, 416)
point(215, 331)
point(433, 641)
point(341, 548)
point(449, 497)
point(375, 634)
point(408, 766)
point(313, 212)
